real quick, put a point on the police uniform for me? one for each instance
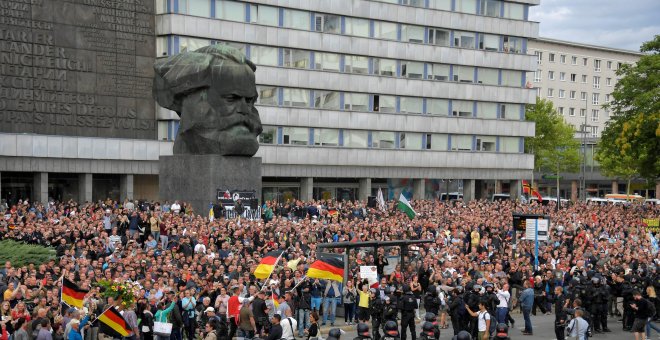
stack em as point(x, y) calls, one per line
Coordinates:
point(407, 305)
point(376, 312)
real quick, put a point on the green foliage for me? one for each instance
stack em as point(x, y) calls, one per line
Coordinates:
point(21, 254)
point(554, 146)
point(630, 143)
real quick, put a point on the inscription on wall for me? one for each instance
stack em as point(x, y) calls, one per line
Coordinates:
point(77, 67)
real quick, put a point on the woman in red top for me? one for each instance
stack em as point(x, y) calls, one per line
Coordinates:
point(20, 312)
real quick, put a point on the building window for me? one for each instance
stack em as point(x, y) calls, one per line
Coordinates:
point(296, 97)
point(461, 108)
point(356, 101)
point(238, 46)
point(584, 78)
point(551, 93)
point(385, 30)
point(326, 100)
point(438, 72)
point(230, 10)
point(510, 144)
point(296, 19)
point(437, 107)
point(511, 78)
point(560, 110)
point(539, 57)
point(295, 136)
point(609, 65)
point(608, 81)
point(573, 77)
point(607, 98)
point(356, 139)
point(464, 39)
point(384, 104)
point(444, 5)
point(574, 60)
point(411, 33)
point(551, 75)
point(162, 46)
point(167, 129)
point(409, 140)
point(464, 74)
point(461, 142)
point(438, 37)
point(466, 6)
point(191, 44)
point(562, 76)
point(597, 65)
point(514, 10)
point(385, 67)
point(267, 95)
point(327, 61)
point(265, 15)
point(562, 94)
point(594, 115)
point(487, 110)
point(356, 64)
point(489, 42)
point(562, 59)
point(583, 112)
point(583, 95)
point(594, 131)
point(200, 8)
point(596, 82)
point(551, 57)
point(439, 142)
point(595, 98)
point(382, 139)
point(486, 143)
point(326, 137)
point(296, 58)
point(412, 69)
point(491, 8)
point(488, 76)
point(571, 95)
point(585, 61)
point(415, 3)
point(327, 23)
point(510, 111)
point(264, 55)
point(513, 45)
point(268, 135)
point(411, 105)
point(357, 27)
point(537, 76)
point(571, 112)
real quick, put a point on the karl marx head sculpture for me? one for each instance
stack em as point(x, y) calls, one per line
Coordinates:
point(213, 90)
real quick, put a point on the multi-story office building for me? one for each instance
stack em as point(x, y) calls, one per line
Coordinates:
point(423, 96)
point(579, 79)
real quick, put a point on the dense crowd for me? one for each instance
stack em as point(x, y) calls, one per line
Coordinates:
point(600, 262)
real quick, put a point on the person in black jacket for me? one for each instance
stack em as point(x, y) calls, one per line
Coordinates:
point(643, 310)
point(376, 312)
point(275, 332)
point(260, 311)
point(560, 313)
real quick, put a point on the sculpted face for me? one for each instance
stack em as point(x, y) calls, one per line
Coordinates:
point(221, 118)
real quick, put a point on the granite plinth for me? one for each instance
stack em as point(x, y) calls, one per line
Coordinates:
point(197, 178)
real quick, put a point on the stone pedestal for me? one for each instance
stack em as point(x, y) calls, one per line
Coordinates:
point(197, 178)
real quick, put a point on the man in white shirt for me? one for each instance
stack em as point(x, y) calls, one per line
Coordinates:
point(503, 306)
point(176, 208)
point(288, 325)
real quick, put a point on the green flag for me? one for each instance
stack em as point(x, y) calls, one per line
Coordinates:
point(405, 206)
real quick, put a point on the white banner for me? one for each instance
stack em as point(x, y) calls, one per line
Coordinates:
point(370, 273)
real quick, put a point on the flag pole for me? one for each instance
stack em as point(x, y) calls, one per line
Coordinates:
point(98, 316)
point(298, 284)
point(271, 272)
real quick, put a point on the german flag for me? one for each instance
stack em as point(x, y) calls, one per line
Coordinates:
point(115, 322)
point(267, 264)
point(327, 268)
point(275, 302)
point(527, 189)
point(72, 295)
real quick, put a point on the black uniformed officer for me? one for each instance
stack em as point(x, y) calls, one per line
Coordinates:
point(407, 305)
point(431, 300)
point(376, 312)
point(599, 297)
point(560, 313)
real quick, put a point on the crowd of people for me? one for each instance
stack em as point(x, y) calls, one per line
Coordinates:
point(195, 272)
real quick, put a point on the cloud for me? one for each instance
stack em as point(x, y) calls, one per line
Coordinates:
point(611, 23)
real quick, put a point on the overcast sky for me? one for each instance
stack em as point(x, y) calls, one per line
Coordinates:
point(622, 24)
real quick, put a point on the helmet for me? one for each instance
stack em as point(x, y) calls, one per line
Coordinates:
point(372, 290)
point(391, 328)
point(431, 289)
point(488, 285)
point(476, 287)
point(406, 288)
point(463, 335)
point(595, 280)
point(334, 333)
point(502, 328)
point(429, 317)
point(428, 328)
point(459, 289)
point(363, 329)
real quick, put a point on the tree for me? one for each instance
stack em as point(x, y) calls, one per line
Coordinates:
point(554, 146)
point(630, 144)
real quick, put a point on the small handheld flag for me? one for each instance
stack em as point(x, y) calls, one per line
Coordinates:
point(267, 264)
point(115, 322)
point(72, 295)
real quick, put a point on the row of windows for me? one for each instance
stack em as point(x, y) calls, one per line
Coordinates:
point(337, 24)
point(388, 140)
point(334, 62)
point(595, 113)
point(595, 97)
point(583, 61)
point(491, 8)
point(351, 101)
point(572, 78)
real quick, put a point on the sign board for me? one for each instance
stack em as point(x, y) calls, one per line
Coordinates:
point(392, 261)
point(371, 274)
point(652, 224)
point(532, 224)
point(247, 197)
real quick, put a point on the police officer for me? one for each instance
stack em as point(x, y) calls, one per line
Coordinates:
point(407, 305)
point(389, 311)
point(472, 298)
point(560, 313)
point(457, 310)
point(627, 288)
point(431, 300)
point(376, 312)
point(599, 297)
